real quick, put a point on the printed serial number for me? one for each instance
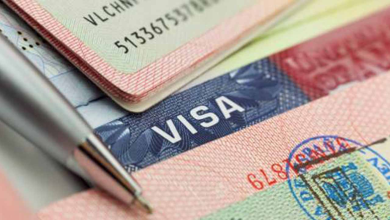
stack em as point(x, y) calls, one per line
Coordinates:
point(278, 171)
point(263, 179)
point(164, 24)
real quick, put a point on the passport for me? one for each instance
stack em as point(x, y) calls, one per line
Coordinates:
point(251, 94)
point(104, 207)
point(264, 159)
point(139, 52)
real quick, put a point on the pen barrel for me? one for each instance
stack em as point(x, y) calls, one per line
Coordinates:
point(31, 105)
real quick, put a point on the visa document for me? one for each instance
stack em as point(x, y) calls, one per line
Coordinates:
point(324, 160)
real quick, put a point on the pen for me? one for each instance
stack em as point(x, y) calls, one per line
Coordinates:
point(33, 107)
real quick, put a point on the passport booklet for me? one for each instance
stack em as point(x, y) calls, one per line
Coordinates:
point(141, 51)
point(299, 133)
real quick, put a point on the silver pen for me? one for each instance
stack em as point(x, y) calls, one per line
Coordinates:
point(33, 107)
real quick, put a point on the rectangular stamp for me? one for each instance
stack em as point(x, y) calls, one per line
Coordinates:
point(344, 188)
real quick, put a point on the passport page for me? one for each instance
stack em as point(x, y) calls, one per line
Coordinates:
point(132, 49)
point(219, 174)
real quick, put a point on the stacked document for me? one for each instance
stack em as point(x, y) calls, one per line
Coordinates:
point(139, 52)
point(295, 125)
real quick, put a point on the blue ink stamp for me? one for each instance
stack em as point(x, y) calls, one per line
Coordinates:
point(343, 188)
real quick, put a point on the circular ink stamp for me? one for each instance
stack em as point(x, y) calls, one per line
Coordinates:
point(337, 190)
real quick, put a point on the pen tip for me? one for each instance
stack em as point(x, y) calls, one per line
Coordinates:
point(145, 204)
